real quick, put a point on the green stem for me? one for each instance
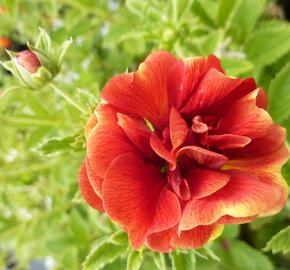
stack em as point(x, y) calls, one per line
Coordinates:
point(21, 121)
point(70, 99)
point(29, 168)
point(174, 10)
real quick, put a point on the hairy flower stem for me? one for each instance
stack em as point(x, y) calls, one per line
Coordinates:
point(70, 99)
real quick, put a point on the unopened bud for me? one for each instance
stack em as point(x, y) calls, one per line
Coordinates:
point(28, 60)
point(4, 42)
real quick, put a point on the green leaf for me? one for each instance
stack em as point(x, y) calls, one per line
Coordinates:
point(279, 95)
point(62, 50)
point(206, 10)
point(102, 255)
point(231, 231)
point(79, 226)
point(236, 67)
point(280, 242)
point(55, 145)
point(159, 260)
point(183, 261)
point(43, 42)
point(35, 104)
point(119, 238)
point(58, 145)
point(184, 7)
point(224, 10)
point(241, 256)
point(211, 42)
point(245, 17)
point(266, 46)
point(134, 261)
point(137, 7)
point(211, 253)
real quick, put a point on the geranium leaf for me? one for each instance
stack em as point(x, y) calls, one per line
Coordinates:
point(279, 95)
point(183, 261)
point(280, 242)
point(134, 261)
point(265, 46)
point(102, 255)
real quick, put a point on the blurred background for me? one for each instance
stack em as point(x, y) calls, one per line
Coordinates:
point(44, 222)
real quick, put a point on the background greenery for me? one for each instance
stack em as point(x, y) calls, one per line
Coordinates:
point(42, 215)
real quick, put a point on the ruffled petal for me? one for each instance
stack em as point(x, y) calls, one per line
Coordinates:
point(185, 76)
point(138, 132)
point(221, 106)
point(161, 241)
point(204, 182)
point(178, 128)
point(160, 149)
point(136, 196)
point(196, 237)
point(227, 141)
point(214, 87)
point(203, 157)
point(265, 145)
point(94, 179)
point(87, 190)
point(107, 141)
point(143, 93)
point(244, 118)
point(268, 169)
point(198, 126)
point(92, 122)
point(227, 219)
point(245, 195)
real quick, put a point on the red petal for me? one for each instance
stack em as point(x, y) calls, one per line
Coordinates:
point(135, 195)
point(185, 75)
point(107, 141)
point(161, 150)
point(143, 93)
point(268, 169)
point(179, 184)
point(204, 182)
point(221, 106)
point(194, 238)
point(204, 157)
point(234, 220)
point(161, 241)
point(227, 141)
point(92, 122)
point(245, 195)
point(246, 119)
point(262, 100)
point(198, 126)
point(178, 128)
point(94, 179)
point(214, 87)
point(265, 145)
point(87, 190)
point(138, 132)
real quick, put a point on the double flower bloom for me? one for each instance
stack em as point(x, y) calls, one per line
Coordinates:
point(179, 149)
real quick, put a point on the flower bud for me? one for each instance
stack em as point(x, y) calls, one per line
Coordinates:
point(39, 64)
point(28, 60)
point(4, 42)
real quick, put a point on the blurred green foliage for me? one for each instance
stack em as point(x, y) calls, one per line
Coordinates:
point(42, 215)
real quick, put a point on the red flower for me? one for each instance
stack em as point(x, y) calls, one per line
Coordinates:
point(179, 149)
point(29, 61)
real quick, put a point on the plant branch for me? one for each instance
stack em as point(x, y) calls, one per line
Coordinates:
point(70, 99)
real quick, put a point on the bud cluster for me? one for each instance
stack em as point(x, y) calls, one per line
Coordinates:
point(39, 64)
